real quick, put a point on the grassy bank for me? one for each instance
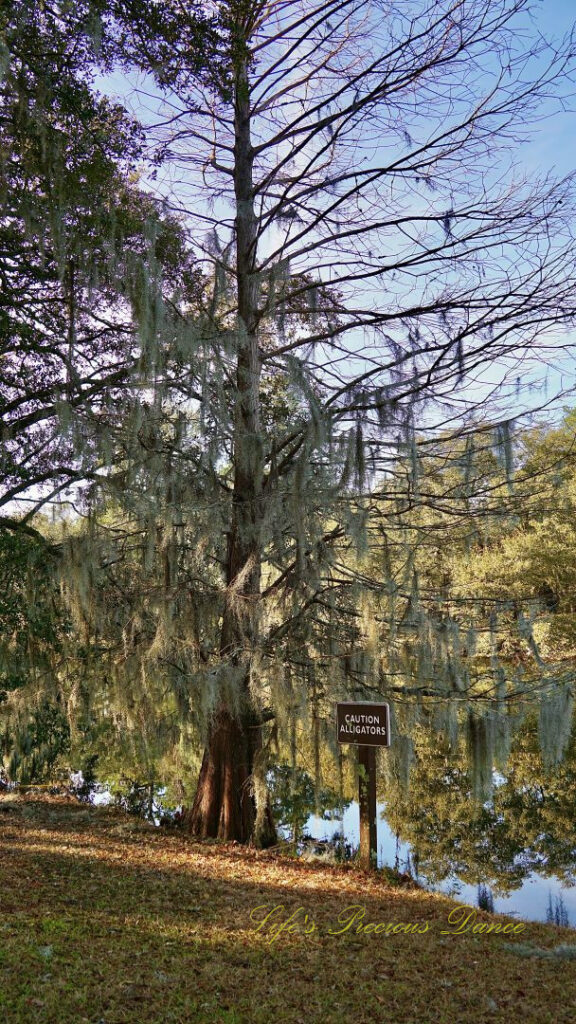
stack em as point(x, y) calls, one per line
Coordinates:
point(105, 919)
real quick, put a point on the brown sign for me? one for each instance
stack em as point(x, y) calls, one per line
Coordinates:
point(365, 724)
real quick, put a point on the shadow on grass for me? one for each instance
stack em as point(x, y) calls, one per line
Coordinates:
point(106, 920)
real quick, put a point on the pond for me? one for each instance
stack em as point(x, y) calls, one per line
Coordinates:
point(538, 898)
point(511, 849)
point(514, 887)
point(499, 833)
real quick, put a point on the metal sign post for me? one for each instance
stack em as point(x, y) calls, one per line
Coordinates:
point(367, 725)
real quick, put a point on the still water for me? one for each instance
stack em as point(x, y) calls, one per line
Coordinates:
point(502, 839)
point(537, 896)
point(535, 899)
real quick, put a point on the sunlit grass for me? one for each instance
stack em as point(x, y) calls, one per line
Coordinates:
point(106, 919)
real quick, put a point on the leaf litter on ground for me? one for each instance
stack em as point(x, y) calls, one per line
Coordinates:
point(108, 919)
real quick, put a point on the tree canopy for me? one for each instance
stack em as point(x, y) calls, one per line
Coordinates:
point(282, 365)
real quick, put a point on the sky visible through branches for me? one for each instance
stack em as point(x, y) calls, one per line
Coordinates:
point(547, 376)
point(420, 214)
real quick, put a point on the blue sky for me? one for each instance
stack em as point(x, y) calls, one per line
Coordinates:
point(551, 147)
point(554, 141)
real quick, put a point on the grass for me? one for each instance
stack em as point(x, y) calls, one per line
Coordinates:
point(105, 920)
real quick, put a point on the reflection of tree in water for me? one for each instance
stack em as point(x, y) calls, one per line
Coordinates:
point(556, 912)
point(527, 826)
point(294, 797)
point(485, 899)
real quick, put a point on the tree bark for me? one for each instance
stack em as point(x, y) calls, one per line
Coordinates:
point(225, 806)
point(230, 802)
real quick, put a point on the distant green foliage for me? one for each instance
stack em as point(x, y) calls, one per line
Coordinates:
point(32, 621)
point(34, 745)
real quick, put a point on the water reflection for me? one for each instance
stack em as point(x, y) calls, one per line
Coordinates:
point(516, 852)
point(518, 849)
point(535, 898)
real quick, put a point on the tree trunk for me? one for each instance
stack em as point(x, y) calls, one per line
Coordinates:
point(231, 801)
point(225, 805)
